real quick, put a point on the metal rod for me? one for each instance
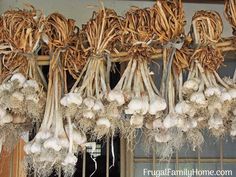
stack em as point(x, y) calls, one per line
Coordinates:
point(84, 164)
point(107, 157)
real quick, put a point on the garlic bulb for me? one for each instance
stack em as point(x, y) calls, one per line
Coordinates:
point(170, 120)
point(98, 106)
point(36, 147)
point(79, 137)
point(135, 105)
point(191, 84)
point(88, 114)
point(89, 102)
point(8, 118)
point(52, 143)
point(136, 121)
point(70, 159)
point(232, 93)
point(43, 135)
point(103, 122)
point(198, 98)
point(182, 107)
point(215, 121)
point(32, 97)
point(211, 91)
point(20, 78)
point(116, 95)
point(157, 123)
point(156, 105)
point(6, 86)
point(31, 83)
point(18, 95)
point(225, 96)
point(71, 98)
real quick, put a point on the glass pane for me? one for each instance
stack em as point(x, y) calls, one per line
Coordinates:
point(229, 148)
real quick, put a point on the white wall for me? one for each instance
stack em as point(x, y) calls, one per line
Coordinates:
point(78, 9)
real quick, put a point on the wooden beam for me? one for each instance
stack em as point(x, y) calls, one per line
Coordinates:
point(226, 45)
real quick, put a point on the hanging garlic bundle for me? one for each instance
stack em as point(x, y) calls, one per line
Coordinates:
point(55, 144)
point(186, 122)
point(90, 90)
point(204, 87)
point(22, 96)
point(168, 22)
point(230, 11)
point(136, 93)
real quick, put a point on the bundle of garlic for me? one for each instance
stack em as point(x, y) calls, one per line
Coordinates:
point(207, 92)
point(57, 140)
point(89, 92)
point(204, 87)
point(162, 130)
point(207, 27)
point(229, 11)
point(21, 91)
point(136, 94)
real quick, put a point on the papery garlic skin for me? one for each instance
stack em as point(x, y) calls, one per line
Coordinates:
point(156, 105)
point(191, 84)
point(36, 147)
point(198, 98)
point(18, 77)
point(78, 137)
point(88, 114)
point(89, 102)
point(232, 93)
point(8, 118)
point(70, 159)
point(225, 96)
point(52, 143)
point(103, 122)
point(116, 95)
point(18, 95)
point(71, 98)
point(136, 105)
point(6, 86)
point(3, 112)
point(32, 97)
point(98, 106)
point(27, 148)
point(163, 137)
point(157, 123)
point(212, 91)
point(171, 120)
point(215, 122)
point(182, 108)
point(145, 105)
point(31, 83)
point(43, 135)
point(136, 121)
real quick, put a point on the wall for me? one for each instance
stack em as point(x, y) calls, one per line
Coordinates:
point(81, 12)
